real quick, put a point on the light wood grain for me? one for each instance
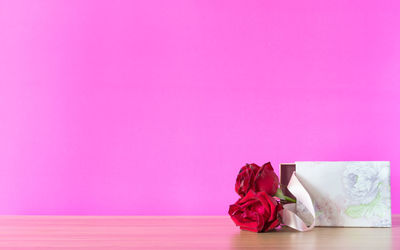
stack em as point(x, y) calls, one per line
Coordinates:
point(152, 232)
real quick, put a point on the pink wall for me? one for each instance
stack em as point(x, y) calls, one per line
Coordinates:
point(151, 107)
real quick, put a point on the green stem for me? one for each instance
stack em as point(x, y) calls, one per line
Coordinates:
point(289, 199)
point(280, 195)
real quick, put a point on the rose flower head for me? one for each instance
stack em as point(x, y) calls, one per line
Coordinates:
point(266, 180)
point(256, 212)
point(245, 179)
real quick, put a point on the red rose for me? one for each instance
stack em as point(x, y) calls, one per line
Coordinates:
point(266, 180)
point(245, 179)
point(257, 212)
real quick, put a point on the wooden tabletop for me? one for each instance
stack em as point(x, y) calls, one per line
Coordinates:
point(192, 232)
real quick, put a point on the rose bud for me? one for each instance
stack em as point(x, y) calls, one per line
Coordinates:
point(266, 180)
point(256, 212)
point(245, 179)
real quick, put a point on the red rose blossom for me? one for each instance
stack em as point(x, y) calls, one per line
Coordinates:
point(245, 179)
point(266, 180)
point(257, 212)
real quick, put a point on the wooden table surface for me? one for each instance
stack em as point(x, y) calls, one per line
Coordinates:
point(193, 232)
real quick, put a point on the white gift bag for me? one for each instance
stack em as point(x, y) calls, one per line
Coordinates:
point(344, 194)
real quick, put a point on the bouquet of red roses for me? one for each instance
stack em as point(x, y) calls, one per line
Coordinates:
point(258, 208)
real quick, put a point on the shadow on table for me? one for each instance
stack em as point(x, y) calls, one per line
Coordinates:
point(320, 237)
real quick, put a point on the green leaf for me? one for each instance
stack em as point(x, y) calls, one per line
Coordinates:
point(279, 194)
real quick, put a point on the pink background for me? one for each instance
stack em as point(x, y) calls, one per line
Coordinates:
point(151, 107)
